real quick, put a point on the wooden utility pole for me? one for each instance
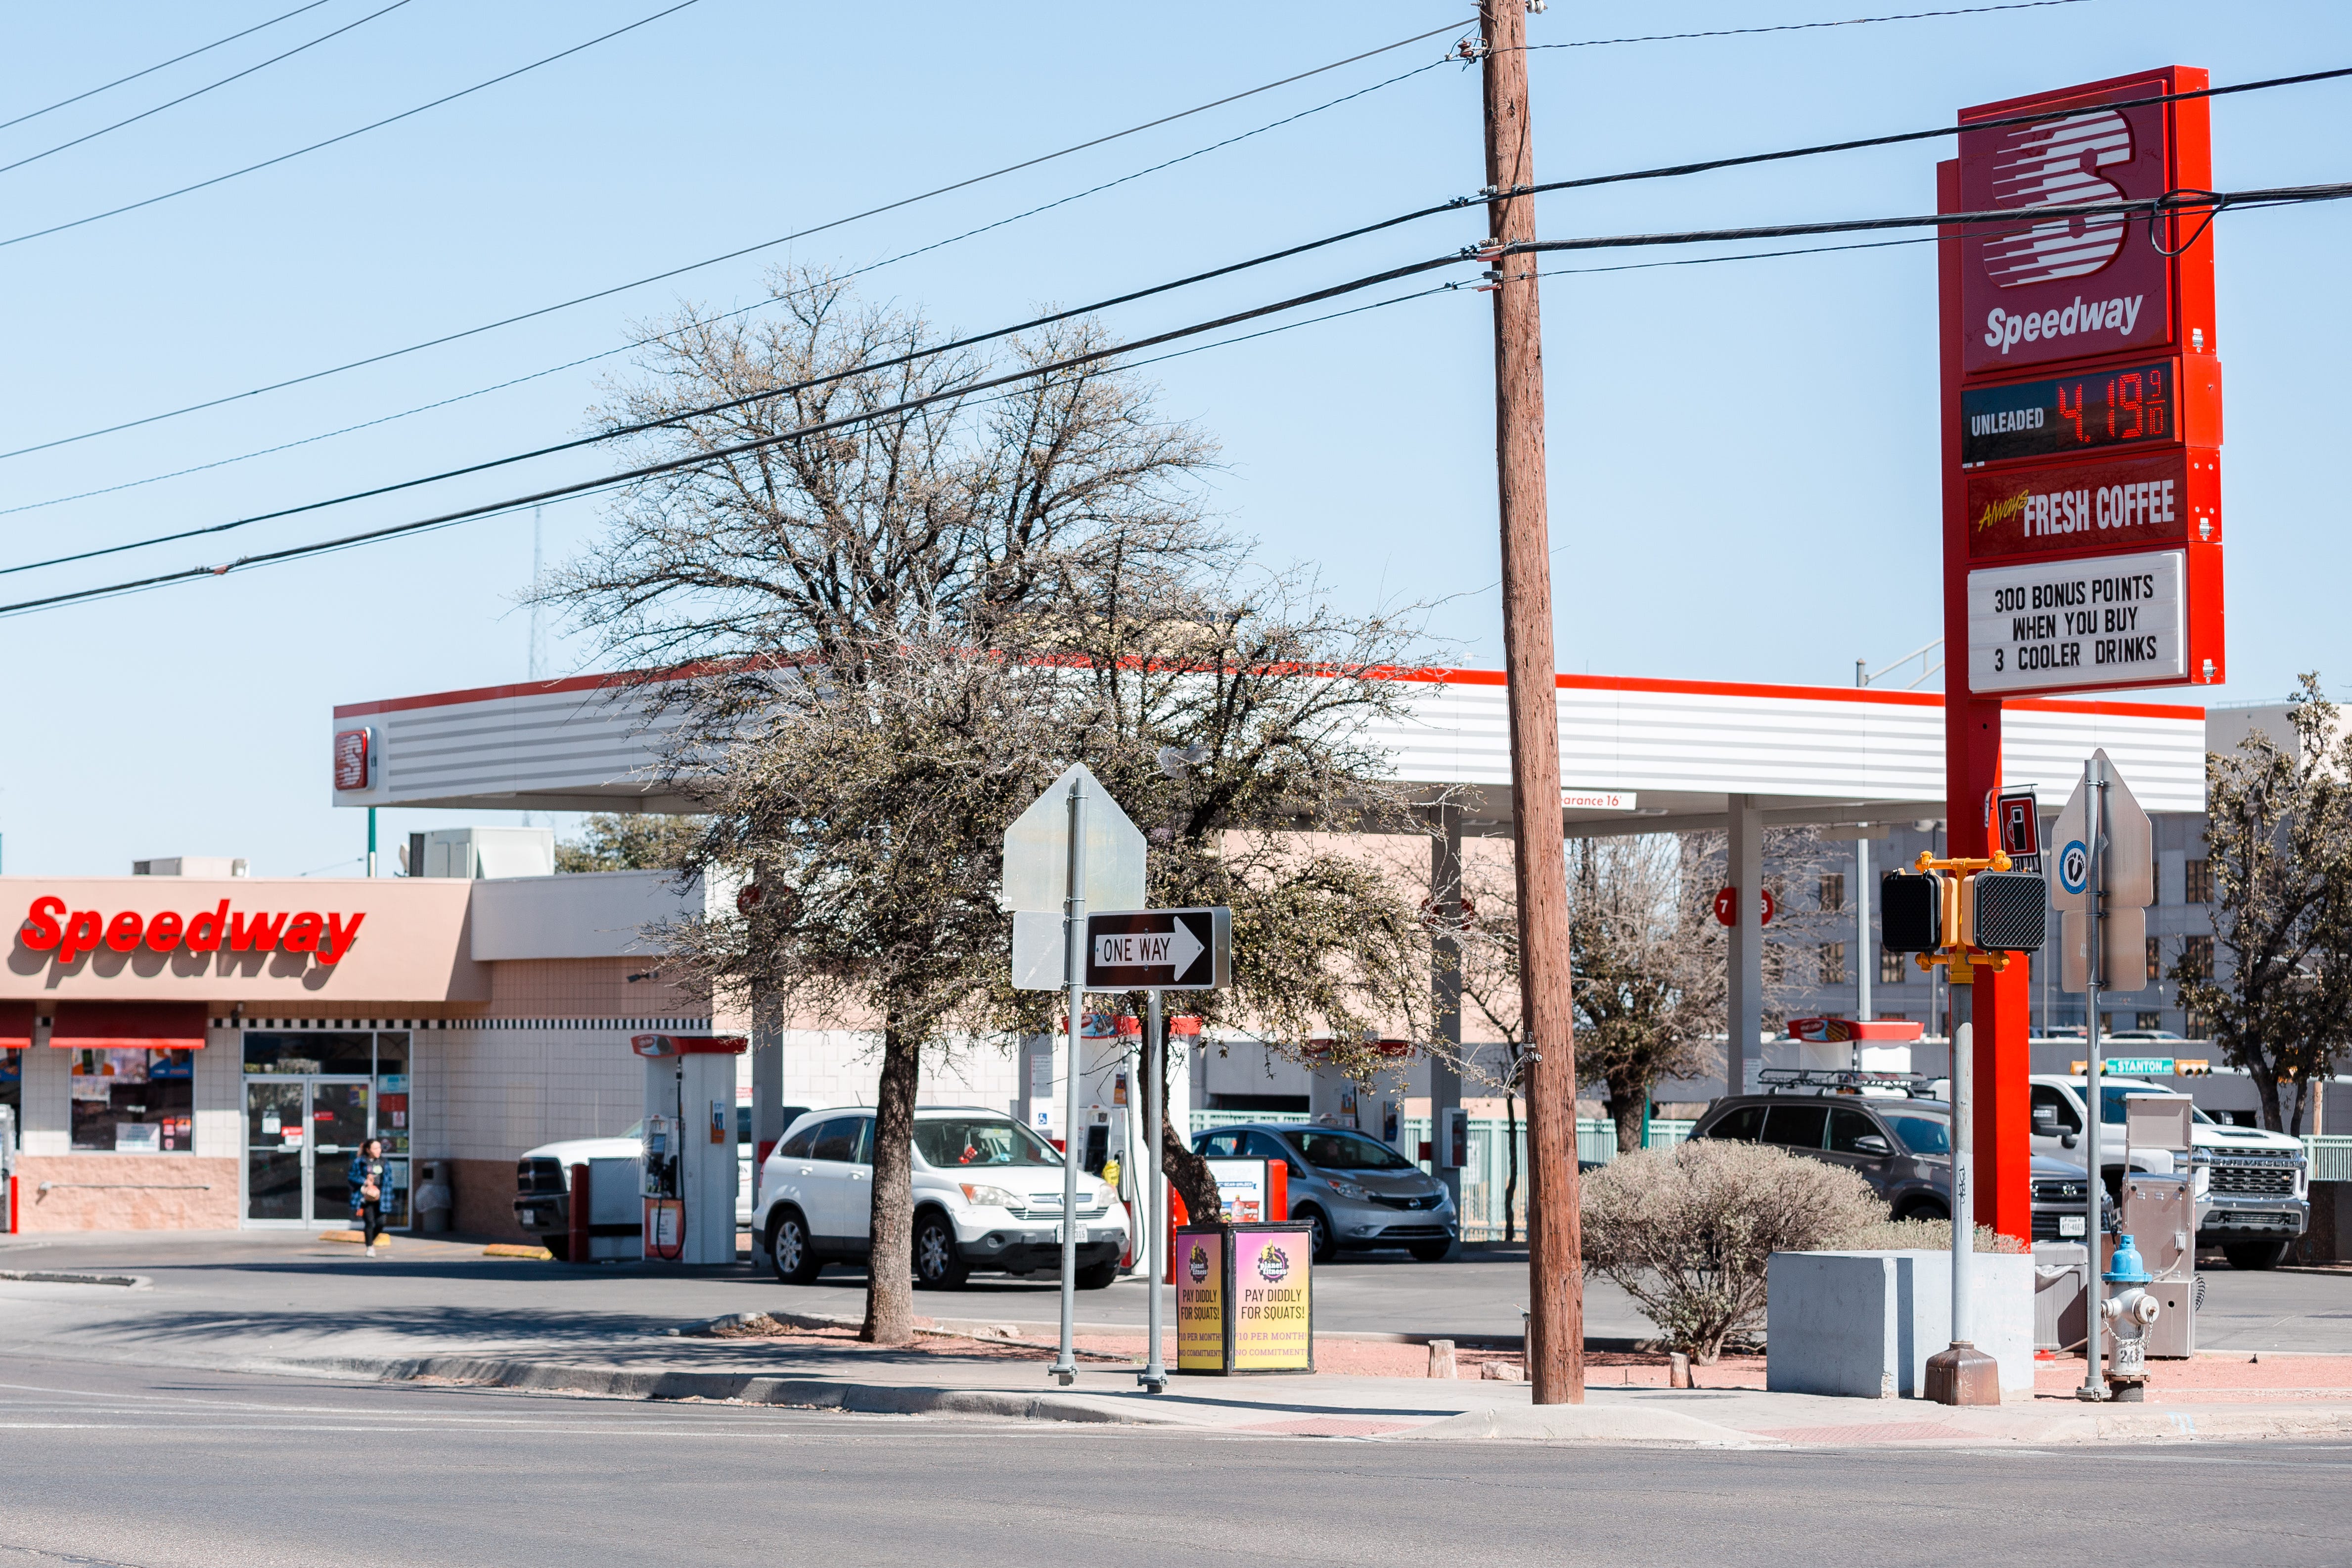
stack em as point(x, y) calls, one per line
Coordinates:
point(1555, 1355)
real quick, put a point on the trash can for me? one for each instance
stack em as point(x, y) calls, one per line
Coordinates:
point(431, 1200)
point(1245, 1299)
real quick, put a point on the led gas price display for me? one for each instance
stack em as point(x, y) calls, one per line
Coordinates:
point(2065, 414)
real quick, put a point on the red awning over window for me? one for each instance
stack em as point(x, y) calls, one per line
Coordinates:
point(15, 1025)
point(129, 1026)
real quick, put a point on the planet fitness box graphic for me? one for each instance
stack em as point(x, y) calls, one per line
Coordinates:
point(1245, 1299)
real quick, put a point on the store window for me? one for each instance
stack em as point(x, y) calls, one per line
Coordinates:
point(134, 1101)
point(392, 1092)
point(11, 1087)
point(302, 1055)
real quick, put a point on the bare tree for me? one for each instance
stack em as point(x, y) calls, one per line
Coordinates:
point(1231, 716)
point(837, 598)
point(871, 648)
point(1649, 957)
point(2279, 834)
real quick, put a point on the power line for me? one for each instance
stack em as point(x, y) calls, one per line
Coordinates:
point(736, 254)
point(346, 135)
point(719, 454)
point(1808, 27)
point(720, 316)
point(175, 60)
point(1674, 171)
point(1670, 170)
point(680, 415)
point(199, 92)
point(357, 541)
point(2150, 206)
point(2217, 202)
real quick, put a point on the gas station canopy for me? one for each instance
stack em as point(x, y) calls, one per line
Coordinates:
point(1636, 756)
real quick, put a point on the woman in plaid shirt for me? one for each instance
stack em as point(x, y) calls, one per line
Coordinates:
point(367, 1179)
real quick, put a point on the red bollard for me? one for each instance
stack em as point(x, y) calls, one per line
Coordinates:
point(580, 1203)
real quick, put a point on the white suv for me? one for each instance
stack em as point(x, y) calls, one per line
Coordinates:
point(987, 1195)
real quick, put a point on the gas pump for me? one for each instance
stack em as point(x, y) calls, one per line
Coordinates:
point(690, 1135)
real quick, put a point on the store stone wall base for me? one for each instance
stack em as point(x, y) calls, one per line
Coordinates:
point(126, 1192)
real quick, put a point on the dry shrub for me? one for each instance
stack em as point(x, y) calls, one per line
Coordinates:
point(1688, 1231)
point(1920, 1236)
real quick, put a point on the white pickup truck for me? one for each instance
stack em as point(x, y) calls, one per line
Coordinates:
point(2255, 1191)
point(542, 1205)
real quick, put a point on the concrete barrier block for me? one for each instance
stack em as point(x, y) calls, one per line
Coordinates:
point(1862, 1324)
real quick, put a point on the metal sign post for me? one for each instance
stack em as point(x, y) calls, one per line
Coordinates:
point(1073, 846)
point(1964, 1222)
point(2107, 880)
point(1154, 1375)
point(1074, 935)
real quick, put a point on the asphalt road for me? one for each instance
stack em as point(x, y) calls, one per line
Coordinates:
point(134, 1469)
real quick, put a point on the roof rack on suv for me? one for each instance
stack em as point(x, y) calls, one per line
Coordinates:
point(1844, 1080)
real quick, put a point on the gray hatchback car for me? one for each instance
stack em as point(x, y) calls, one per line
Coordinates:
point(1351, 1190)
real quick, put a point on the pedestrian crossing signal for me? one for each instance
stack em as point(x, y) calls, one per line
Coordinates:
point(1911, 911)
point(2011, 913)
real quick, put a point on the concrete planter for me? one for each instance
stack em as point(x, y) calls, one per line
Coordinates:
point(1862, 1324)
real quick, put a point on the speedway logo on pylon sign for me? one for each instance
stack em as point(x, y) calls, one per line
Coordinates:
point(2061, 287)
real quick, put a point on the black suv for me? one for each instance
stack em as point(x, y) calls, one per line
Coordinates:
point(1902, 1146)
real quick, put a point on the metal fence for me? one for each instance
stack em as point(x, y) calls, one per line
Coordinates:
point(2331, 1157)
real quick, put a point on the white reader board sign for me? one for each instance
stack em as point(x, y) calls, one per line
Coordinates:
point(2068, 624)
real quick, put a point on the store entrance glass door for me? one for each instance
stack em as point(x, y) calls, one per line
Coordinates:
point(338, 1125)
point(275, 1143)
point(299, 1136)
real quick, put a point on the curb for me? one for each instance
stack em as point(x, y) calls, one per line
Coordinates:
point(748, 1388)
point(986, 1330)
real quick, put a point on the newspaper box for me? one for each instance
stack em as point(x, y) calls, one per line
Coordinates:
point(1245, 1299)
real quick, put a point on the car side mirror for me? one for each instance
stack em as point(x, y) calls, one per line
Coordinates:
point(1872, 1144)
point(2066, 1140)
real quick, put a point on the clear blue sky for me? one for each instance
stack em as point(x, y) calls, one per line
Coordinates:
point(1743, 457)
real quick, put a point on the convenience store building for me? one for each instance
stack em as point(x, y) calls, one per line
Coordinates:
point(209, 1051)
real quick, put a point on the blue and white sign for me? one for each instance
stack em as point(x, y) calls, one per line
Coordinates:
point(2074, 866)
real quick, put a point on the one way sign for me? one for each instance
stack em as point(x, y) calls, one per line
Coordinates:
point(1160, 950)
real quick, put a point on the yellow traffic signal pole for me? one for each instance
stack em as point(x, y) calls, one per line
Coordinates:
point(1961, 1374)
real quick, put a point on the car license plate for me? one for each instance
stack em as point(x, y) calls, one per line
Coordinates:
point(2072, 1224)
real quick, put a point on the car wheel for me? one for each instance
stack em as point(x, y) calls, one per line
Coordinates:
point(1096, 1276)
point(791, 1252)
point(937, 1266)
point(1430, 1252)
point(1319, 1239)
point(1926, 1208)
point(558, 1248)
point(2254, 1256)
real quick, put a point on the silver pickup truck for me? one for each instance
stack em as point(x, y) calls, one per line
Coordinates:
point(2254, 1188)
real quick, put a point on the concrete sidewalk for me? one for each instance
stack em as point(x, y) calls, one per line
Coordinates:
point(255, 1317)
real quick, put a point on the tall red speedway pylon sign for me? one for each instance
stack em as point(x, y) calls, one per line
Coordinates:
point(2082, 408)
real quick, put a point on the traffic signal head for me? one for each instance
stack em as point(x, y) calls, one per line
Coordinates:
point(2012, 912)
point(1911, 911)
